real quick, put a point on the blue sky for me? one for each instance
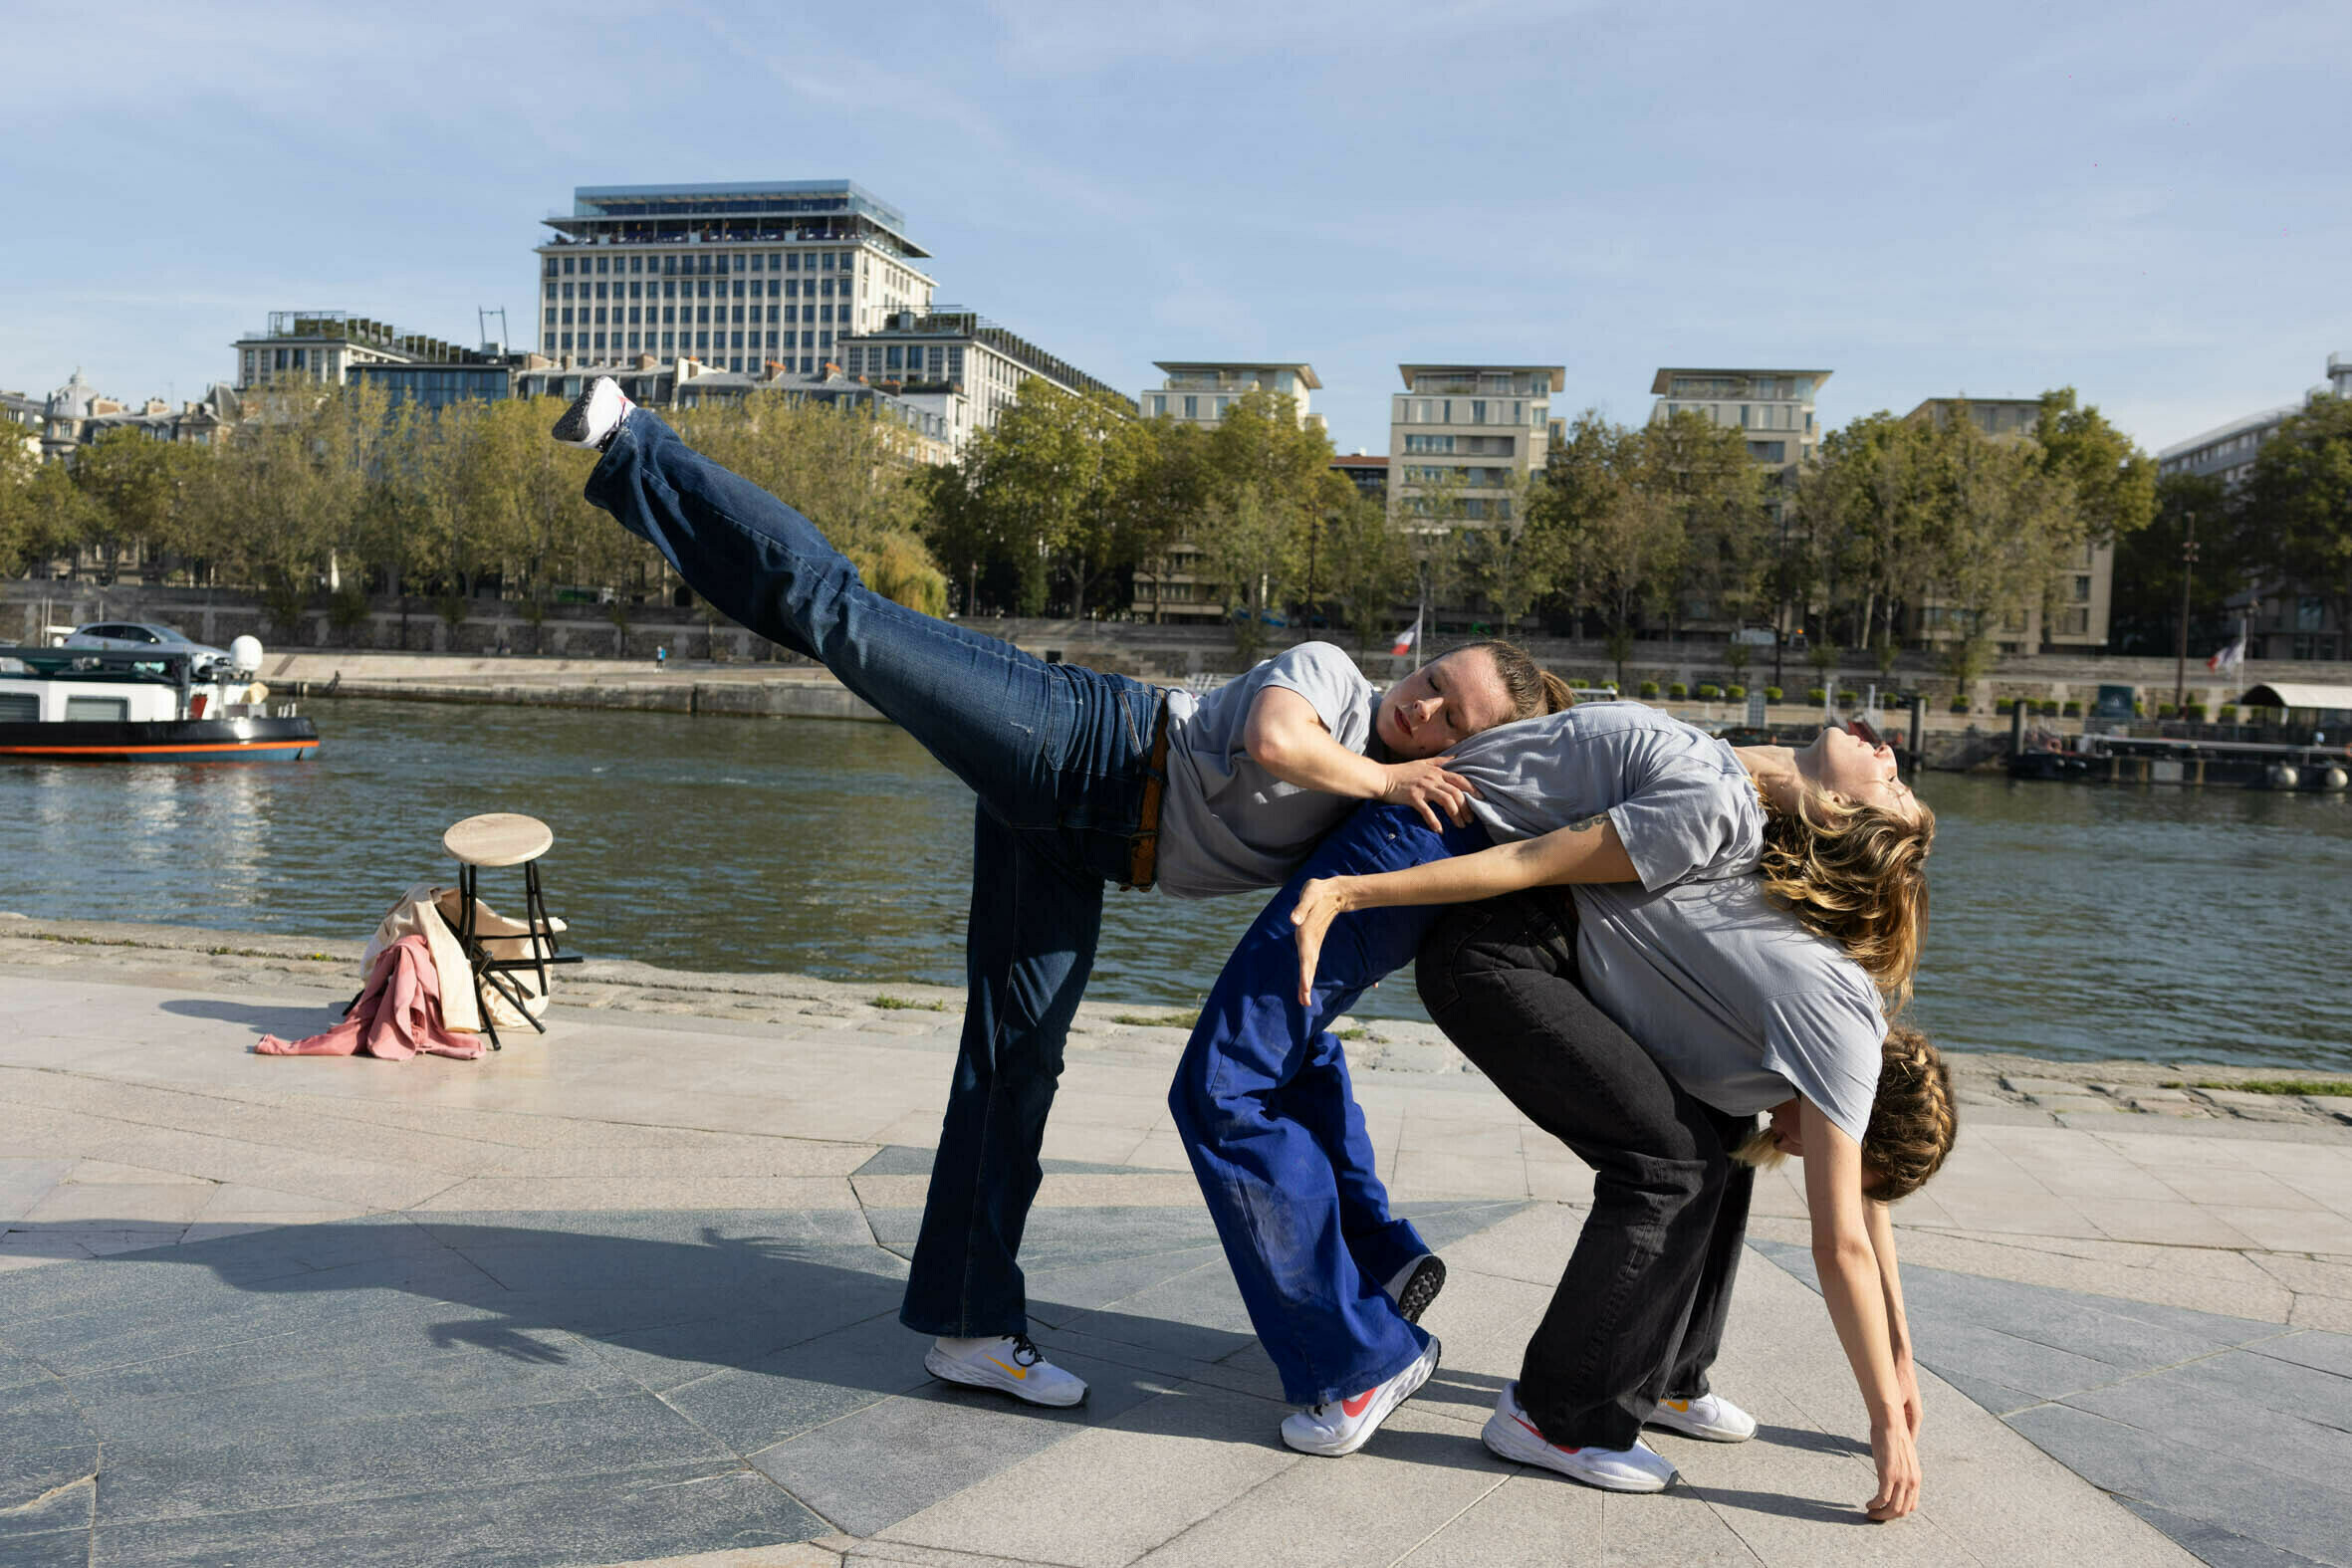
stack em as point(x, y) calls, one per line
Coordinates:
point(2146, 201)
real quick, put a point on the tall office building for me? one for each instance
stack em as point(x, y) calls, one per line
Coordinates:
point(2085, 589)
point(735, 276)
point(1470, 431)
point(1200, 391)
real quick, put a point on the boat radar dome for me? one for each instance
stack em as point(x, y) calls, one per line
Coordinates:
point(245, 654)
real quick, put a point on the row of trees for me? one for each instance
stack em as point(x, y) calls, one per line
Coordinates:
point(318, 490)
point(1901, 531)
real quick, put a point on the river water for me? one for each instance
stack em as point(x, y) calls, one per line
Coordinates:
point(2074, 921)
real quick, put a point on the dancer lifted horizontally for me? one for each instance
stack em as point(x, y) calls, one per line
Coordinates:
point(1084, 778)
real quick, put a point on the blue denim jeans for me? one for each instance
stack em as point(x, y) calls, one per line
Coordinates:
point(1263, 1102)
point(1058, 755)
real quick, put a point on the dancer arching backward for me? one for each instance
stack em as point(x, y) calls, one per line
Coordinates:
point(1083, 779)
point(1262, 1098)
point(1747, 1009)
point(1736, 1009)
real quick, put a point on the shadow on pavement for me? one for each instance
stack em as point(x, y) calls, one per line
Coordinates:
point(292, 1023)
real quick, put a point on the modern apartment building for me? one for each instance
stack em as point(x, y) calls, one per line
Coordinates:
point(1368, 474)
point(1200, 391)
point(1470, 434)
point(2085, 588)
point(327, 346)
point(737, 276)
point(2282, 620)
point(961, 364)
point(1774, 407)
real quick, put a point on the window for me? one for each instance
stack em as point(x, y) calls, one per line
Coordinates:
point(603, 263)
point(1769, 451)
point(1192, 408)
point(637, 263)
point(2082, 589)
point(568, 261)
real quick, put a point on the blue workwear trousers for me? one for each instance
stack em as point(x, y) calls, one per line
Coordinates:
point(1263, 1102)
point(1058, 755)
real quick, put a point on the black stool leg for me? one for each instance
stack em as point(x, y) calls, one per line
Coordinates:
point(469, 943)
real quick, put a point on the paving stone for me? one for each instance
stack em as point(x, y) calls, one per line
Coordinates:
point(2215, 1546)
point(2299, 1443)
point(46, 1489)
point(616, 1515)
point(402, 1455)
point(2029, 1085)
point(2323, 1351)
point(2195, 1480)
point(2259, 1107)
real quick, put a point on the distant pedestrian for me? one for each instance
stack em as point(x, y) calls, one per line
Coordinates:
point(661, 658)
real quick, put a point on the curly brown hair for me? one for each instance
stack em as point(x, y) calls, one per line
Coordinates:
point(1534, 689)
point(1856, 874)
point(1913, 1120)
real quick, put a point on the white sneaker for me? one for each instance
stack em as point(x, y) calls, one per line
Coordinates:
point(1416, 1285)
point(1347, 1425)
point(1709, 1417)
point(1009, 1364)
point(594, 415)
point(1638, 1468)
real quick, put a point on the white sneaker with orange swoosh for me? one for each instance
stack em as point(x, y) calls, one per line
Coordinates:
point(1010, 1364)
point(1347, 1425)
point(1709, 1417)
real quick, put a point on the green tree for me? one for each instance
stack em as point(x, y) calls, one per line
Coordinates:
point(1621, 527)
point(1703, 472)
point(1365, 565)
point(2006, 524)
point(2114, 482)
point(2297, 505)
point(1268, 483)
point(1515, 559)
point(2145, 610)
point(138, 489)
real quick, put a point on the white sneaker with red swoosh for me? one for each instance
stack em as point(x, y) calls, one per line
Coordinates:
point(1347, 1425)
point(1638, 1468)
point(1009, 1364)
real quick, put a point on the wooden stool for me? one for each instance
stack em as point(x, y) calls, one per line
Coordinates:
point(504, 838)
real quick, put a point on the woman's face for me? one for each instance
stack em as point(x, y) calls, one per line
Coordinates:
point(1442, 704)
point(1843, 764)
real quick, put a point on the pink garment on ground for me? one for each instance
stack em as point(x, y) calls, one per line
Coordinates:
point(397, 1015)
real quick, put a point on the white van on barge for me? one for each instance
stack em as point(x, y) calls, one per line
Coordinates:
point(147, 705)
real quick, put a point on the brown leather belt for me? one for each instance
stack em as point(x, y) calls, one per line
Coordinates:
point(1143, 858)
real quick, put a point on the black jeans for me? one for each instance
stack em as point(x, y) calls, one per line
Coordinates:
point(1639, 1313)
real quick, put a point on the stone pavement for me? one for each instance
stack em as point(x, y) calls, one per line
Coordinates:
point(628, 1294)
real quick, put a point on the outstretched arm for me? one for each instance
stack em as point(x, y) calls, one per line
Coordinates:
point(1855, 1290)
point(1587, 851)
point(1890, 1282)
point(1285, 736)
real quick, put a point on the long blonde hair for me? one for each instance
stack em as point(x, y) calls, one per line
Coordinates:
point(1914, 1120)
point(1856, 874)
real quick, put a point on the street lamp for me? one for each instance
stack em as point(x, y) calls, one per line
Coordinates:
point(2180, 661)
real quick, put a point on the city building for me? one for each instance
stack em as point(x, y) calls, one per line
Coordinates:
point(960, 362)
point(1471, 434)
point(2085, 588)
point(2284, 620)
point(1775, 407)
point(328, 345)
point(1200, 391)
point(489, 378)
point(735, 275)
point(77, 415)
point(28, 416)
point(1369, 475)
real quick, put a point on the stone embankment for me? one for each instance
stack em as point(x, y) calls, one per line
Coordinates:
point(2015, 1088)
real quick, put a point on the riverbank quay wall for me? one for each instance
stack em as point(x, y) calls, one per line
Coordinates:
point(573, 635)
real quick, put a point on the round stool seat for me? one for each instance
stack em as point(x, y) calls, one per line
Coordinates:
point(498, 838)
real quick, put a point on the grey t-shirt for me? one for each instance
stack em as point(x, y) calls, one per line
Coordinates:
point(1227, 825)
point(1681, 799)
point(1739, 1002)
